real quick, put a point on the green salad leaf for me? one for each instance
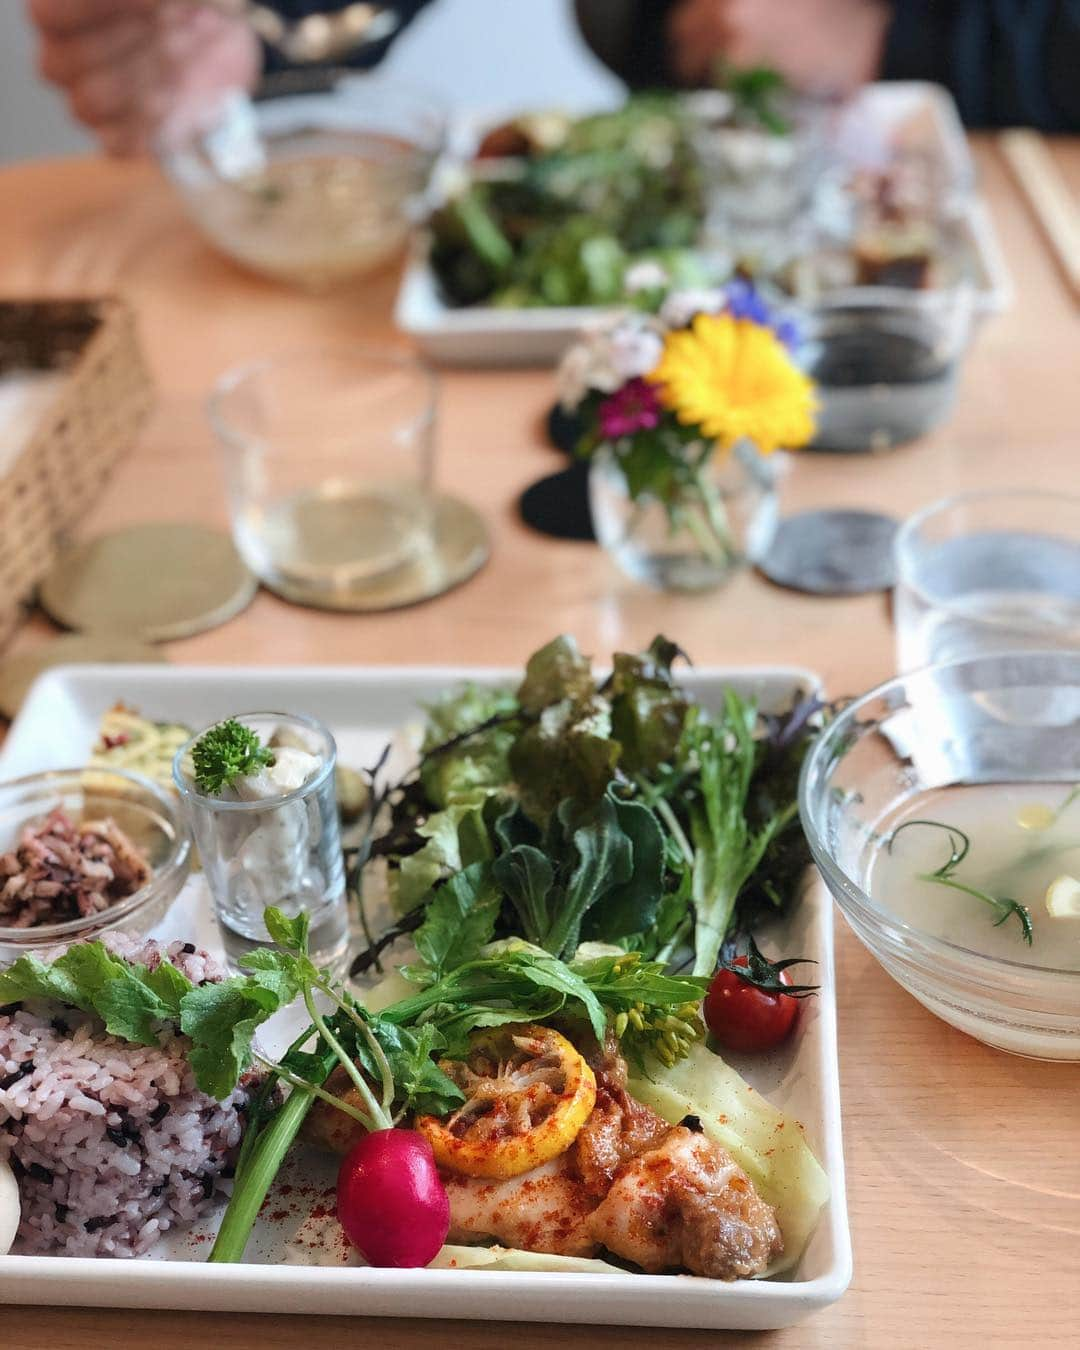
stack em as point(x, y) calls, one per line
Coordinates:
point(459, 921)
point(458, 760)
point(648, 710)
point(597, 871)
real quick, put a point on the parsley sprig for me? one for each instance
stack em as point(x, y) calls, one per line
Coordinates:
point(225, 753)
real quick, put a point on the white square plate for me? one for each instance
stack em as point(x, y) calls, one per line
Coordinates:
point(918, 115)
point(57, 728)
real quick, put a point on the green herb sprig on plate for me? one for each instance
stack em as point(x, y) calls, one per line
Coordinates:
point(225, 753)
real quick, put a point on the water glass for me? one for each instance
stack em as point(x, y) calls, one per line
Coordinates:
point(988, 572)
point(327, 454)
point(282, 850)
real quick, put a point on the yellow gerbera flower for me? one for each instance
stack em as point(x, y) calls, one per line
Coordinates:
point(735, 380)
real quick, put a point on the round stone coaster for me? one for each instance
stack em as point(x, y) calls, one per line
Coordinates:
point(154, 582)
point(20, 671)
point(460, 547)
point(833, 552)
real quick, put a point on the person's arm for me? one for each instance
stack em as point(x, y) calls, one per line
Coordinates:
point(1006, 62)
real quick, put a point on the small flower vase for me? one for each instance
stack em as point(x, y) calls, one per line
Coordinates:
point(712, 520)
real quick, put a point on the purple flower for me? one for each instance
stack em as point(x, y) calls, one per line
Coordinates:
point(632, 408)
point(744, 301)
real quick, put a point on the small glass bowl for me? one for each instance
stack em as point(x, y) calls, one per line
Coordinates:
point(994, 719)
point(315, 180)
point(886, 362)
point(149, 815)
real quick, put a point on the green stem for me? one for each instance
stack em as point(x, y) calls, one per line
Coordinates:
point(1003, 907)
point(714, 533)
point(262, 1167)
point(663, 809)
point(302, 1085)
point(379, 1118)
point(385, 1072)
point(681, 933)
point(258, 1106)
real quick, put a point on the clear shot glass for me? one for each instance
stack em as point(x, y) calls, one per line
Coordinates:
point(273, 846)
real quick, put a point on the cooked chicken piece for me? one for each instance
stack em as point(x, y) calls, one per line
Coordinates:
point(687, 1204)
point(662, 1197)
point(619, 1128)
point(545, 1210)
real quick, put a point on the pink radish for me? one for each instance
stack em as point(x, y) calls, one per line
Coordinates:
point(390, 1200)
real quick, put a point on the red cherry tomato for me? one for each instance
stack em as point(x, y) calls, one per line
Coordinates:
point(743, 1017)
point(390, 1200)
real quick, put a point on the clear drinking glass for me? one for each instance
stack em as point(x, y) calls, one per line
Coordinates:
point(327, 454)
point(281, 849)
point(988, 572)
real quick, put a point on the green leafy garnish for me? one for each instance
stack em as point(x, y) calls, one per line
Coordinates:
point(132, 1001)
point(959, 847)
point(757, 91)
point(225, 753)
point(459, 921)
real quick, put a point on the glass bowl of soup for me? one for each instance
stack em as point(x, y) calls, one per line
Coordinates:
point(314, 180)
point(943, 812)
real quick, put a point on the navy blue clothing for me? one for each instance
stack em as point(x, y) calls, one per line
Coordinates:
point(1007, 62)
point(364, 57)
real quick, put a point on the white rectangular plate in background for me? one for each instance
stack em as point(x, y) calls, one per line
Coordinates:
point(919, 116)
point(364, 708)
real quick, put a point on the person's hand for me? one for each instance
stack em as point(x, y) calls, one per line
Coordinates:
point(128, 66)
point(819, 46)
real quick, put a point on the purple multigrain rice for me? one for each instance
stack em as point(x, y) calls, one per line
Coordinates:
point(60, 871)
point(112, 1143)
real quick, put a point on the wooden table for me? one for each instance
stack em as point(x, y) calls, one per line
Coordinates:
point(963, 1164)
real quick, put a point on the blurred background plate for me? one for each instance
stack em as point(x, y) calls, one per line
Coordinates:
point(918, 117)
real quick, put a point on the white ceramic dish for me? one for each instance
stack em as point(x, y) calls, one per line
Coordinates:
point(920, 116)
point(58, 725)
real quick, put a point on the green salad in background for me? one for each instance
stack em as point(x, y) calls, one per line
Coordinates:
point(573, 209)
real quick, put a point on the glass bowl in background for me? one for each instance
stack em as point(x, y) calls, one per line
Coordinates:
point(993, 571)
point(886, 361)
point(327, 453)
point(989, 720)
point(149, 815)
point(315, 179)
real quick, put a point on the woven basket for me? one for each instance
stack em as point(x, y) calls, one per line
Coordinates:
point(93, 420)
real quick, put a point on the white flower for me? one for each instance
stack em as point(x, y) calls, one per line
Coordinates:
point(607, 356)
point(572, 378)
point(645, 276)
point(634, 350)
point(681, 306)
